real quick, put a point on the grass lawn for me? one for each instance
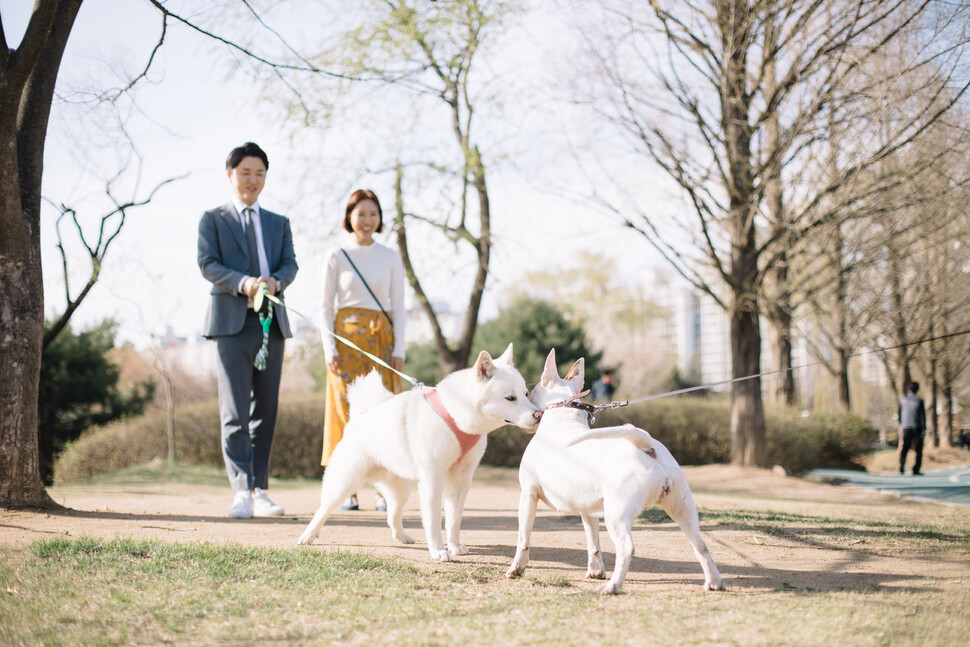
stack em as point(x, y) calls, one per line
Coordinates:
point(122, 591)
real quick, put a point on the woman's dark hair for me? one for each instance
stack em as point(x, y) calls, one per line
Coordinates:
point(248, 149)
point(356, 198)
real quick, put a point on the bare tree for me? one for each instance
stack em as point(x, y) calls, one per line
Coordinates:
point(841, 302)
point(28, 73)
point(161, 365)
point(428, 54)
point(845, 271)
point(954, 349)
point(943, 265)
point(728, 96)
point(912, 221)
point(27, 76)
point(96, 246)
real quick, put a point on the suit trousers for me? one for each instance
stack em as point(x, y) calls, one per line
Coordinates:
point(911, 438)
point(248, 401)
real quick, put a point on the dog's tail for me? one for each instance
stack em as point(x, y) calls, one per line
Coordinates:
point(366, 392)
point(641, 439)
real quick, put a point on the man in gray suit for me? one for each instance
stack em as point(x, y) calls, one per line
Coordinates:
point(242, 248)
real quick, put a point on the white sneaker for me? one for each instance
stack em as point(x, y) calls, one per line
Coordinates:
point(263, 507)
point(242, 506)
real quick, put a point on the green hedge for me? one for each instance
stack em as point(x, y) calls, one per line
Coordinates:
point(296, 448)
point(696, 430)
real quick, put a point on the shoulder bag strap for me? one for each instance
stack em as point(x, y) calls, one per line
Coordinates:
point(347, 256)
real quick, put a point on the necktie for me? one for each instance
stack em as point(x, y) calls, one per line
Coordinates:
point(251, 242)
point(265, 314)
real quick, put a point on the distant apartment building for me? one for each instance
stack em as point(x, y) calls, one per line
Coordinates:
point(699, 330)
point(194, 355)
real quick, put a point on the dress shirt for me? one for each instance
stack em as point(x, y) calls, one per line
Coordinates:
point(260, 247)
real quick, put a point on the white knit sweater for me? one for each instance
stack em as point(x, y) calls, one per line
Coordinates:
point(342, 288)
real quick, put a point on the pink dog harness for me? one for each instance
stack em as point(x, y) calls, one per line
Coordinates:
point(465, 441)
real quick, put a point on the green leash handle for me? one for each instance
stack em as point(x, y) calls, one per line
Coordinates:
point(265, 321)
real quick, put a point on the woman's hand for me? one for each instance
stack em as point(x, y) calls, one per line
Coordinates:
point(397, 363)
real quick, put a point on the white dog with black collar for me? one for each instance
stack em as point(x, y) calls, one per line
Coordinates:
point(612, 473)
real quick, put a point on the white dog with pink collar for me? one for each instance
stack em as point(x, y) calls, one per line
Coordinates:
point(434, 436)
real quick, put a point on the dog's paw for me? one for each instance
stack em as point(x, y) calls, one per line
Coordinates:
point(596, 574)
point(514, 571)
point(717, 585)
point(608, 589)
point(458, 549)
point(441, 555)
point(403, 537)
point(306, 538)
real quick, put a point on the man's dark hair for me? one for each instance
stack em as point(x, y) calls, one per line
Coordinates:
point(913, 387)
point(248, 149)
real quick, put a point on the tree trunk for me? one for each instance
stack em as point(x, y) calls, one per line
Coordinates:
point(779, 310)
point(843, 378)
point(747, 414)
point(170, 415)
point(947, 431)
point(843, 346)
point(452, 359)
point(483, 250)
point(22, 318)
point(932, 417)
point(901, 375)
point(448, 358)
point(27, 78)
point(784, 381)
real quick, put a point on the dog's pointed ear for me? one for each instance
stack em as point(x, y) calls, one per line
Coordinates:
point(484, 366)
point(506, 357)
point(576, 374)
point(550, 374)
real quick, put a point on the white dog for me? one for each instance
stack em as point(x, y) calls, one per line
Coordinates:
point(612, 472)
point(433, 435)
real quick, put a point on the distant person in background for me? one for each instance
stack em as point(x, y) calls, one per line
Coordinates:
point(245, 248)
point(963, 439)
point(363, 301)
point(603, 388)
point(912, 422)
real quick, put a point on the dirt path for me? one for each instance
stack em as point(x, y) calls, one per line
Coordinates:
point(750, 560)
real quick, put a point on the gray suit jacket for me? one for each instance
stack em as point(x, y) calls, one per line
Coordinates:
point(224, 261)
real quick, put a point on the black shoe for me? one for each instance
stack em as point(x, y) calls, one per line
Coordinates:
point(917, 474)
point(901, 471)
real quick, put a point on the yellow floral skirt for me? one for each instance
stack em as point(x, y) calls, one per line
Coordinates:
point(371, 331)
